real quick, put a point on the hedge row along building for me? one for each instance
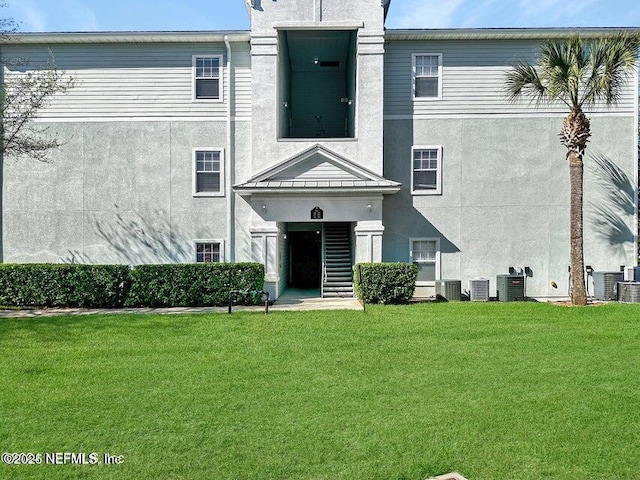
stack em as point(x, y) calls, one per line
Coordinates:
point(313, 141)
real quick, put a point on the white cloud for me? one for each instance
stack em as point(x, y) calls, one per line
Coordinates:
point(516, 13)
point(31, 16)
point(82, 17)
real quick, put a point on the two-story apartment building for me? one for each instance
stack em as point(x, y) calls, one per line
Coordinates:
point(315, 140)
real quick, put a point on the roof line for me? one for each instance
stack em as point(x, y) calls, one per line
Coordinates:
point(245, 35)
point(127, 37)
point(502, 33)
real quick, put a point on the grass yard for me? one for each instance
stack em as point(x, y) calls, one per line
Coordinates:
point(493, 391)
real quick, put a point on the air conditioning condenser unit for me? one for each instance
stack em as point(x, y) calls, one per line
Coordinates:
point(449, 289)
point(604, 285)
point(510, 287)
point(479, 290)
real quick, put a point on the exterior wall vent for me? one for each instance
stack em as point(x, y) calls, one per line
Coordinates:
point(604, 285)
point(510, 288)
point(479, 289)
point(629, 292)
point(449, 289)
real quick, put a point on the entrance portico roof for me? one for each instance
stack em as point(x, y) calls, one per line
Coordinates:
point(317, 170)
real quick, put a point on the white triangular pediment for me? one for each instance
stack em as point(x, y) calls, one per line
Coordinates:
point(318, 168)
point(315, 164)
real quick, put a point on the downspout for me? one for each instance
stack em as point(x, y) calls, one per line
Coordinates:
point(636, 149)
point(230, 167)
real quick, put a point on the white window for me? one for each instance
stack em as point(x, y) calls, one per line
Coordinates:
point(208, 172)
point(425, 253)
point(207, 77)
point(208, 251)
point(427, 76)
point(426, 170)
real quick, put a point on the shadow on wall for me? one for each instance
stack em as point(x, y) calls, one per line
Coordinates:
point(133, 238)
point(416, 226)
point(614, 203)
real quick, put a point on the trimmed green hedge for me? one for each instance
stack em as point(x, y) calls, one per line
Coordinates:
point(63, 285)
point(385, 282)
point(113, 286)
point(192, 284)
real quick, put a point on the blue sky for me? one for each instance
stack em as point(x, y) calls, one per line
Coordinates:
point(91, 15)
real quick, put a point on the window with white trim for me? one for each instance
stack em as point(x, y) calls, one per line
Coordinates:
point(208, 252)
point(425, 253)
point(427, 76)
point(426, 170)
point(207, 77)
point(208, 172)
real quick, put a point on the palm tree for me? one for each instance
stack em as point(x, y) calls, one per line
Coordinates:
point(579, 73)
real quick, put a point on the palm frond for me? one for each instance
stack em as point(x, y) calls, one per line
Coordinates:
point(577, 72)
point(611, 62)
point(523, 81)
point(562, 65)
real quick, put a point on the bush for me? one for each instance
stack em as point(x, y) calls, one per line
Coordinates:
point(385, 282)
point(63, 285)
point(191, 285)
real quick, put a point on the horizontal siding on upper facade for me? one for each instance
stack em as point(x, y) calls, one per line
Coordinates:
point(241, 60)
point(136, 80)
point(472, 79)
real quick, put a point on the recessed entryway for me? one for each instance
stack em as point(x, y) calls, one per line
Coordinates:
point(305, 256)
point(320, 258)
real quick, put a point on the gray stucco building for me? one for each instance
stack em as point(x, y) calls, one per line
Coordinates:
point(315, 140)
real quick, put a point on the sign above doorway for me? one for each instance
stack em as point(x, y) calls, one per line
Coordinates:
point(317, 214)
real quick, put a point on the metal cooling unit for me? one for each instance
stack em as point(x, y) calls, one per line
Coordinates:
point(479, 290)
point(449, 289)
point(510, 288)
point(604, 285)
point(629, 292)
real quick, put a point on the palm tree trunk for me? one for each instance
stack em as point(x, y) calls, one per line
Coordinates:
point(576, 174)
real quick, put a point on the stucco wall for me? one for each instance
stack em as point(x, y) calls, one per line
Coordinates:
point(115, 192)
point(505, 197)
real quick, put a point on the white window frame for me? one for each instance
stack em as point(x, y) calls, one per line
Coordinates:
point(414, 56)
point(220, 79)
point(436, 262)
point(194, 161)
point(438, 189)
point(208, 240)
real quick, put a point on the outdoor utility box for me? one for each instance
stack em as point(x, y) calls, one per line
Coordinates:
point(604, 285)
point(449, 289)
point(510, 288)
point(629, 292)
point(631, 274)
point(479, 290)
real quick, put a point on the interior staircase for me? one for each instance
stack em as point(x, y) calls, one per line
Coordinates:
point(337, 279)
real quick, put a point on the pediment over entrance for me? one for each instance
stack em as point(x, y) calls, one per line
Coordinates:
point(317, 169)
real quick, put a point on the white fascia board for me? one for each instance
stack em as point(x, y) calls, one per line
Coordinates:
point(501, 33)
point(126, 37)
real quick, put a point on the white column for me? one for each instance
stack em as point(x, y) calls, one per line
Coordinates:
point(369, 241)
point(264, 250)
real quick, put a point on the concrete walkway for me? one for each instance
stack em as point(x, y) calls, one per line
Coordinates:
point(292, 300)
point(295, 299)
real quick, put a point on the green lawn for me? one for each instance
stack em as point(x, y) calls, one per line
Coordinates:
point(493, 391)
